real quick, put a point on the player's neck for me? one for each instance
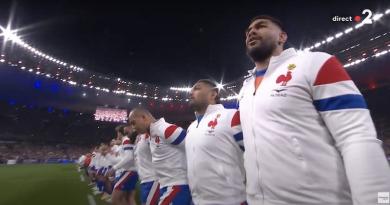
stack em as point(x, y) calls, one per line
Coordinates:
point(201, 111)
point(261, 65)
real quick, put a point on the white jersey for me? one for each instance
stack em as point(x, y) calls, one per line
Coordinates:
point(214, 149)
point(309, 137)
point(168, 159)
point(116, 149)
point(143, 159)
point(81, 160)
point(95, 160)
point(126, 156)
point(112, 158)
point(104, 161)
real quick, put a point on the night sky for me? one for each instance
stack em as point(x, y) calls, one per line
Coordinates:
point(168, 43)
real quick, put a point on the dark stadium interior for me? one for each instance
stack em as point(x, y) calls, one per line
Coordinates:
point(71, 72)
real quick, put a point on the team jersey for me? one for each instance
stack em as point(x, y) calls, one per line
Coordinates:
point(168, 159)
point(214, 149)
point(309, 137)
point(81, 160)
point(87, 161)
point(95, 161)
point(143, 159)
point(126, 156)
point(116, 149)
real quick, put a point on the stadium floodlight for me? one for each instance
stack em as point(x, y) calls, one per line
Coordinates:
point(220, 86)
point(376, 17)
point(10, 35)
point(329, 39)
point(348, 30)
point(387, 11)
point(359, 25)
point(338, 35)
point(182, 89)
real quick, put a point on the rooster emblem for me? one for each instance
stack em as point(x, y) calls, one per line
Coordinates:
point(214, 122)
point(285, 78)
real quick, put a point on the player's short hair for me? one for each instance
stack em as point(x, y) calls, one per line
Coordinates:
point(212, 84)
point(141, 110)
point(270, 18)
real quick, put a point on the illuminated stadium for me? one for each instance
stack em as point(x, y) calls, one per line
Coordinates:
point(54, 110)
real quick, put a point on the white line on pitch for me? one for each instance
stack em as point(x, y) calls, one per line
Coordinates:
point(91, 200)
point(82, 178)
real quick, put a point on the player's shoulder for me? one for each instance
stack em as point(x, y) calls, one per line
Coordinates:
point(230, 112)
point(314, 57)
point(228, 115)
point(192, 125)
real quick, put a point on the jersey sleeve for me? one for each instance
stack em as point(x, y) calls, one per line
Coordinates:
point(126, 145)
point(128, 154)
point(344, 111)
point(235, 125)
point(172, 134)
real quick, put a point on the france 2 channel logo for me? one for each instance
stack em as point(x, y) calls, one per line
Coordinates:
point(367, 19)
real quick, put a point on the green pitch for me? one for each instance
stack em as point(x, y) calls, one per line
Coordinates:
point(44, 184)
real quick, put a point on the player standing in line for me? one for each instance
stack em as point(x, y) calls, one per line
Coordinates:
point(214, 149)
point(150, 189)
point(309, 137)
point(124, 188)
point(168, 160)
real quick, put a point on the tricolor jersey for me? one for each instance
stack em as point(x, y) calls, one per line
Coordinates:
point(116, 149)
point(143, 159)
point(309, 137)
point(214, 148)
point(81, 160)
point(126, 155)
point(95, 160)
point(169, 160)
point(87, 160)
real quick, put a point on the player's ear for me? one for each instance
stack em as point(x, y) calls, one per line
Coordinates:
point(282, 38)
point(214, 94)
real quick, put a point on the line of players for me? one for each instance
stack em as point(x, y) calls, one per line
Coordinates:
point(111, 168)
point(308, 135)
point(207, 169)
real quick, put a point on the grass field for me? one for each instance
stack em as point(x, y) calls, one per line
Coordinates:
point(44, 184)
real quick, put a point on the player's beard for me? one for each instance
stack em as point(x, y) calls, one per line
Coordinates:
point(261, 52)
point(198, 106)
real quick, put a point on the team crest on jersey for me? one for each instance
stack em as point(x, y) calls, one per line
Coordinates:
point(283, 79)
point(214, 122)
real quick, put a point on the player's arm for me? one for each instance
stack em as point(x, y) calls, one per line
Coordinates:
point(172, 134)
point(235, 125)
point(128, 155)
point(113, 159)
point(345, 114)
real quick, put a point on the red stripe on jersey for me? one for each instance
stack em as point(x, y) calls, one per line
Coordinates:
point(331, 72)
point(236, 119)
point(126, 142)
point(169, 131)
point(171, 196)
point(156, 195)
